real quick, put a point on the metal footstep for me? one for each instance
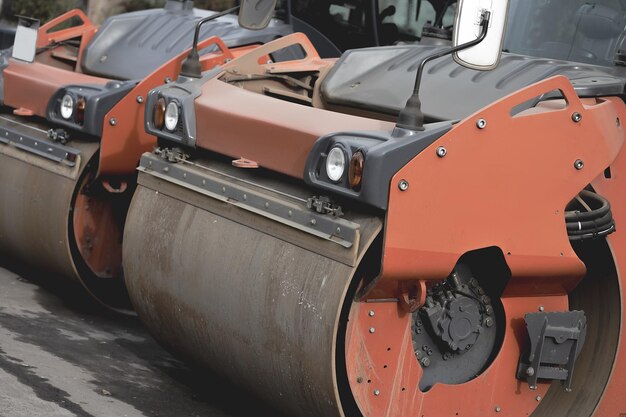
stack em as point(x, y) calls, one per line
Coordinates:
point(556, 340)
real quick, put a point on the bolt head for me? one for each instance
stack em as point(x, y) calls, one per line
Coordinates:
point(372, 330)
point(441, 152)
point(425, 362)
point(481, 123)
point(579, 164)
point(403, 185)
point(139, 99)
point(538, 398)
point(376, 392)
point(371, 313)
point(541, 308)
point(577, 117)
point(498, 409)
point(530, 371)
point(488, 322)
point(113, 121)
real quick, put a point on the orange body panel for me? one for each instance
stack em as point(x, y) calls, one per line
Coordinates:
point(276, 134)
point(31, 86)
point(124, 141)
point(470, 199)
point(384, 374)
point(46, 36)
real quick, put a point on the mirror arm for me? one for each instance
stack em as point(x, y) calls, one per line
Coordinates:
point(484, 28)
point(191, 66)
point(411, 117)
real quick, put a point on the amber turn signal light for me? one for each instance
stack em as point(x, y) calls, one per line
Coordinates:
point(355, 170)
point(159, 114)
point(81, 105)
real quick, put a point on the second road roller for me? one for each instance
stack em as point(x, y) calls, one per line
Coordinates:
point(338, 250)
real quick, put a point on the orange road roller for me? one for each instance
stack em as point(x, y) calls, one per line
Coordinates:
point(72, 130)
point(305, 231)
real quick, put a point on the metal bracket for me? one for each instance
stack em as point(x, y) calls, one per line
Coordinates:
point(49, 150)
point(324, 205)
point(556, 339)
point(280, 207)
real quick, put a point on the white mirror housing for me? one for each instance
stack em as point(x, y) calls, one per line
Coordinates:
point(25, 45)
point(256, 14)
point(486, 55)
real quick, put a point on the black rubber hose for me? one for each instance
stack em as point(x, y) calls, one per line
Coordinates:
point(576, 216)
point(595, 223)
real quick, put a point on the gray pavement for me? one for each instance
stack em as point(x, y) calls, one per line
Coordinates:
point(63, 358)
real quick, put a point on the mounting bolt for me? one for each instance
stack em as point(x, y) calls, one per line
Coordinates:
point(139, 99)
point(530, 371)
point(577, 117)
point(498, 409)
point(371, 313)
point(579, 164)
point(541, 308)
point(372, 330)
point(113, 121)
point(425, 362)
point(488, 322)
point(538, 398)
point(441, 152)
point(403, 185)
point(377, 392)
point(481, 123)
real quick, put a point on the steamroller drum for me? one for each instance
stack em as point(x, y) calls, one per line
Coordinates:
point(257, 309)
point(37, 201)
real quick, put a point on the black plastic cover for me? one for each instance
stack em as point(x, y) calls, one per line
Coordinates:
point(133, 45)
point(381, 79)
point(385, 154)
point(99, 99)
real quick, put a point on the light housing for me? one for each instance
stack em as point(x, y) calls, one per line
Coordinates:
point(66, 108)
point(172, 115)
point(335, 164)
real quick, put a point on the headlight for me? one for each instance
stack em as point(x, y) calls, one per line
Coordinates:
point(159, 114)
point(335, 164)
point(67, 107)
point(171, 116)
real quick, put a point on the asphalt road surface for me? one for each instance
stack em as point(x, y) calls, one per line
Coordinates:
point(62, 358)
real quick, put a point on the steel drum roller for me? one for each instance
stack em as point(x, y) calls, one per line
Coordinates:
point(260, 310)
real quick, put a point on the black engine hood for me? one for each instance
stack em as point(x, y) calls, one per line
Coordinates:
point(381, 79)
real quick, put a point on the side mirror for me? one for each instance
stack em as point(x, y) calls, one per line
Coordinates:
point(256, 14)
point(486, 55)
point(25, 46)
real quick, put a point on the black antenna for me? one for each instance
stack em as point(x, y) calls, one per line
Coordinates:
point(191, 66)
point(411, 117)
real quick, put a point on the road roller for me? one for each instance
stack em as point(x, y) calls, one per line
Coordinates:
point(71, 129)
point(342, 247)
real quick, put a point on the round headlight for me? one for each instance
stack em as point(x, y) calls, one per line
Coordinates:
point(159, 114)
point(67, 107)
point(171, 116)
point(335, 164)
